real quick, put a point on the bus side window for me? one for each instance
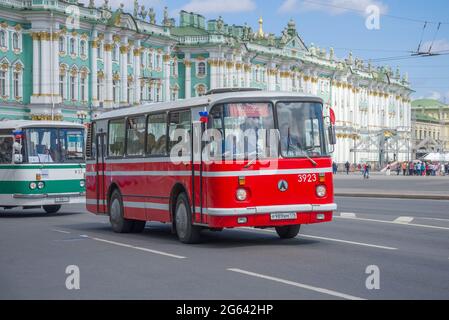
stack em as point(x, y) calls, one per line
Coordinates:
point(6, 150)
point(116, 138)
point(135, 144)
point(179, 120)
point(157, 135)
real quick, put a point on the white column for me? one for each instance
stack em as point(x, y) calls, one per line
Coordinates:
point(108, 101)
point(124, 71)
point(93, 72)
point(222, 73)
point(55, 74)
point(213, 74)
point(137, 71)
point(188, 81)
point(167, 74)
point(45, 66)
point(36, 65)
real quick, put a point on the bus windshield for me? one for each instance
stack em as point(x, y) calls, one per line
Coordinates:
point(55, 145)
point(301, 129)
point(247, 129)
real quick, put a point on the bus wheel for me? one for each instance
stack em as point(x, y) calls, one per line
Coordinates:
point(116, 214)
point(187, 233)
point(288, 232)
point(52, 209)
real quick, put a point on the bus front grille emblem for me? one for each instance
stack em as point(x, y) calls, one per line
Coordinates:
point(282, 186)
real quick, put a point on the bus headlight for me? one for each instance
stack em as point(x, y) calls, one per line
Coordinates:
point(82, 183)
point(33, 185)
point(41, 185)
point(241, 194)
point(321, 191)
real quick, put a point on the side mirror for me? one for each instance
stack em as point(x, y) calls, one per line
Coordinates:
point(332, 135)
point(18, 158)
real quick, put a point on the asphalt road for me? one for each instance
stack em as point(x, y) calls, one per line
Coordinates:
point(406, 239)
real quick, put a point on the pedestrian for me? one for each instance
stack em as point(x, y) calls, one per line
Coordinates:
point(404, 168)
point(411, 168)
point(423, 169)
point(347, 167)
point(388, 172)
point(334, 167)
point(398, 168)
point(366, 169)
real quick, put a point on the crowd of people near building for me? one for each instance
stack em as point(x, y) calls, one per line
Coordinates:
point(406, 168)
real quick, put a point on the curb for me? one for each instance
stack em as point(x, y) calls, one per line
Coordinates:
point(392, 196)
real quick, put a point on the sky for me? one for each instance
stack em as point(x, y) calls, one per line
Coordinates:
point(341, 24)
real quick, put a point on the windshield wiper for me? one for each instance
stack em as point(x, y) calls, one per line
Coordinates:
point(308, 157)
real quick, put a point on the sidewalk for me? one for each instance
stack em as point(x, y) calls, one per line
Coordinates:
point(400, 187)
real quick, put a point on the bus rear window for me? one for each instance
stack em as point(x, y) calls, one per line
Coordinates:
point(6, 150)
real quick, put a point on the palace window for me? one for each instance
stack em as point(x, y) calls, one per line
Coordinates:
point(16, 85)
point(99, 89)
point(158, 93)
point(83, 48)
point(72, 46)
point(15, 41)
point(201, 69)
point(83, 89)
point(115, 93)
point(2, 83)
point(115, 53)
point(61, 44)
point(73, 88)
point(62, 86)
point(3, 38)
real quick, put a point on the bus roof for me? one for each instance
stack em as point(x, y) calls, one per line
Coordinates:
point(203, 101)
point(22, 124)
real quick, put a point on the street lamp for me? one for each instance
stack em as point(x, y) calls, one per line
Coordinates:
point(81, 115)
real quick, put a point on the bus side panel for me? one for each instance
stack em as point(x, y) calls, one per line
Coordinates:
point(91, 188)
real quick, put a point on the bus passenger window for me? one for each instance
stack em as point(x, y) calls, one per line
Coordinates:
point(157, 135)
point(6, 150)
point(116, 139)
point(179, 120)
point(135, 143)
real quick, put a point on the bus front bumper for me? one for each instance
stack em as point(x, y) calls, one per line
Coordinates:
point(263, 217)
point(49, 199)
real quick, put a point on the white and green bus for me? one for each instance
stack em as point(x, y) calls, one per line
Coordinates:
point(42, 164)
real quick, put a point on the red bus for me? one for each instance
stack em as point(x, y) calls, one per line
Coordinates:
point(223, 160)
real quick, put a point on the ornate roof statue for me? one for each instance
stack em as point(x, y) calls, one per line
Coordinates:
point(271, 40)
point(166, 22)
point(143, 13)
point(350, 60)
point(106, 5)
point(260, 33)
point(220, 24)
point(136, 9)
point(152, 15)
point(245, 36)
point(285, 36)
point(331, 54)
point(291, 27)
point(91, 4)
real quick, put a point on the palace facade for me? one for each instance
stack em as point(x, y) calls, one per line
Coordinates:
point(58, 58)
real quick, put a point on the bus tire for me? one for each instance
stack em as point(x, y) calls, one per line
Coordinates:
point(138, 226)
point(52, 209)
point(186, 231)
point(288, 232)
point(116, 214)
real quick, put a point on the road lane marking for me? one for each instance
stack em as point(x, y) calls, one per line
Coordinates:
point(60, 231)
point(333, 240)
point(297, 284)
point(139, 248)
point(347, 215)
point(395, 223)
point(404, 220)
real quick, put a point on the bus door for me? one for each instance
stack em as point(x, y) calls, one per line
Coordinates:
point(100, 173)
point(198, 186)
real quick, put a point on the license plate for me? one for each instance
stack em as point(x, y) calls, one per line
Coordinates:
point(284, 216)
point(62, 200)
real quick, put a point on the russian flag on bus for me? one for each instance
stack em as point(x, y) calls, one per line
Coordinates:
point(204, 116)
